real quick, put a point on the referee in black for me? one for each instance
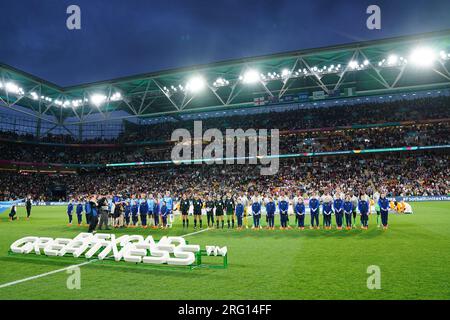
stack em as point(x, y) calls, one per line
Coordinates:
point(198, 205)
point(209, 211)
point(184, 208)
point(28, 205)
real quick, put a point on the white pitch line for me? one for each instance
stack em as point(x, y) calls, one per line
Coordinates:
point(45, 274)
point(192, 233)
point(72, 266)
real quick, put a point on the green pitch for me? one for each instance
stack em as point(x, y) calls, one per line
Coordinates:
point(413, 256)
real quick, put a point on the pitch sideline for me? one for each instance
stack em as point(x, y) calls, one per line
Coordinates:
point(72, 266)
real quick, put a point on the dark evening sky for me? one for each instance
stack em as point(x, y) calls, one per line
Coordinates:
point(120, 38)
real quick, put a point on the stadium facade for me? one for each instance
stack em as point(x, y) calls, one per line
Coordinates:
point(370, 114)
point(382, 69)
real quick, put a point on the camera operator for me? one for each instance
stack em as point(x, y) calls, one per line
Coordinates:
point(93, 221)
point(104, 213)
point(118, 214)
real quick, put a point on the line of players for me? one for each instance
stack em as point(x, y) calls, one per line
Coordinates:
point(147, 210)
point(343, 207)
point(119, 212)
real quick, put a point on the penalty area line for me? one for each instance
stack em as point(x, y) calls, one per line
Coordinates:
point(72, 266)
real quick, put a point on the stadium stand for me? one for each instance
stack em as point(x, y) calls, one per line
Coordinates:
point(407, 173)
point(344, 121)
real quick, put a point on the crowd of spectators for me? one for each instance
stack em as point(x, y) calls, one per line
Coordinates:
point(398, 173)
point(401, 173)
point(290, 142)
point(310, 118)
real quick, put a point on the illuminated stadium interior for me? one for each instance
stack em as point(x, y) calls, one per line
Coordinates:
point(127, 122)
point(381, 67)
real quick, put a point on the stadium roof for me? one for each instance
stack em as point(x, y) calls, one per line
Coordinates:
point(362, 68)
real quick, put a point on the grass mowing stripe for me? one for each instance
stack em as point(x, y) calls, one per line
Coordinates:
point(45, 274)
point(72, 266)
point(412, 254)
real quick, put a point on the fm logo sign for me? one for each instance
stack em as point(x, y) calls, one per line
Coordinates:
point(73, 21)
point(214, 251)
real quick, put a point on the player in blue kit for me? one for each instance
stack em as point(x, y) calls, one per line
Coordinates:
point(69, 212)
point(348, 210)
point(164, 211)
point(143, 211)
point(127, 212)
point(239, 214)
point(327, 210)
point(79, 212)
point(256, 212)
point(157, 210)
point(383, 202)
point(283, 206)
point(134, 212)
point(300, 213)
point(151, 206)
point(363, 207)
point(270, 212)
point(314, 211)
point(338, 205)
point(169, 204)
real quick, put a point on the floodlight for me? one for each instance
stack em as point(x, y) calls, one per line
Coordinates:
point(13, 88)
point(422, 57)
point(353, 64)
point(250, 76)
point(285, 72)
point(220, 82)
point(392, 59)
point(116, 96)
point(97, 99)
point(195, 84)
point(34, 95)
point(366, 62)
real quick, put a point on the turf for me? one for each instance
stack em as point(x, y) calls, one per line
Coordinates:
point(413, 256)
